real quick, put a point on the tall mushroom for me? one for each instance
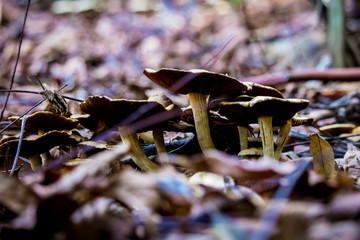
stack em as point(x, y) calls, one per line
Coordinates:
point(198, 84)
point(267, 112)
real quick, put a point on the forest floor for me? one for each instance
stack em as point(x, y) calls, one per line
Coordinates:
point(90, 188)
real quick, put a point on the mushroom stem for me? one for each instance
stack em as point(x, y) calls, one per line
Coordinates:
point(137, 154)
point(266, 131)
point(282, 137)
point(243, 137)
point(198, 104)
point(35, 162)
point(158, 137)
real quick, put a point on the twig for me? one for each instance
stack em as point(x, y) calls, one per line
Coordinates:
point(17, 59)
point(325, 138)
point(10, 124)
point(272, 212)
point(34, 92)
point(19, 145)
point(332, 74)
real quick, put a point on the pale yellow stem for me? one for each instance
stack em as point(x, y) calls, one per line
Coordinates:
point(198, 104)
point(266, 131)
point(243, 137)
point(282, 138)
point(158, 137)
point(35, 162)
point(137, 154)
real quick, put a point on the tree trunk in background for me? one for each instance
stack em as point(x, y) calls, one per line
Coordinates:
point(0, 10)
point(336, 32)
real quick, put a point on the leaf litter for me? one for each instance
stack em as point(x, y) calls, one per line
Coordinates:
point(90, 187)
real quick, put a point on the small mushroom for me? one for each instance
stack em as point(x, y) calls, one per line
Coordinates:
point(336, 129)
point(32, 148)
point(251, 153)
point(158, 134)
point(254, 89)
point(44, 121)
point(198, 84)
point(267, 112)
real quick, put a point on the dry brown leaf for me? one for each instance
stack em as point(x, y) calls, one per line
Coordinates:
point(351, 162)
point(323, 155)
point(241, 170)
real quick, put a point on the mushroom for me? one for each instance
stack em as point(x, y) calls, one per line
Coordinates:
point(198, 84)
point(267, 112)
point(336, 129)
point(44, 121)
point(113, 111)
point(254, 89)
point(32, 148)
point(158, 134)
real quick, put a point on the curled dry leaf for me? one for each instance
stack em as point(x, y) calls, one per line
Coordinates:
point(165, 192)
point(89, 175)
point(350, 163)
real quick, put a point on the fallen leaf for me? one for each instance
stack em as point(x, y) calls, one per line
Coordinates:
point(323, 155)
point(241, 170)
point(350, 163)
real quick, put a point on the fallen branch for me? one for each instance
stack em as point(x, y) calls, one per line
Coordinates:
point(332, 74)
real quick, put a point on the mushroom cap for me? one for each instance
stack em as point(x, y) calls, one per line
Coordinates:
point(243, 113)
point(337, 129)
point(298, 120)
point(197, 81)
point(48, 121)
point(44, 143)
point(256, 89)
point(114, 111)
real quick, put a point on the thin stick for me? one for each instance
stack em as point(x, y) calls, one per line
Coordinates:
point(19, 145)
point(34, 92)
point(17, 60)
point(42, 86)
point(10, 124)
point(272, 212)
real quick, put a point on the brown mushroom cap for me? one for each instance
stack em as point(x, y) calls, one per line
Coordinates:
point(243, 113)
point(48, 121)
point(337, 129)
point(256, 89)
point(113, 111)
point(42, 144)
point(200, 81)
point(298, 120)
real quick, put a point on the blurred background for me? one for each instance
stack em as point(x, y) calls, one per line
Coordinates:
point(101, 47)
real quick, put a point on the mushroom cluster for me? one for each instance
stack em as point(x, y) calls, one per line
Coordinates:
point(51, 130)
point(217, 101)
point(241, 103)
